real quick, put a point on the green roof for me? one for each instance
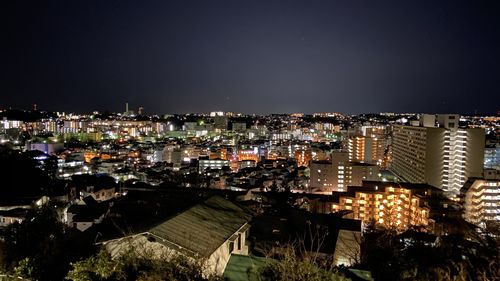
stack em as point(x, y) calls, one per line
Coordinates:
point(244, 268)
point(203, 228)
point(362, 274)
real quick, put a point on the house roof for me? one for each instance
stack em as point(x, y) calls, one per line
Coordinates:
point(6, 201)
point(87, 213)
point(14, 213)
point(204, 227)
point(245, 268)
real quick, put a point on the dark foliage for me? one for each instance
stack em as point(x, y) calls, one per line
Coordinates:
point(21, 174)
point(415, 255)
point(41, 247)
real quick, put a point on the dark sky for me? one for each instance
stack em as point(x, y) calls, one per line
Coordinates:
point(251, 56)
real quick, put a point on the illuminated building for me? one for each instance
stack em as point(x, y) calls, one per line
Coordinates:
point(248, 153)
point(367, 149)
point(172, 154)
point(367, 145)
point(51, 126)
point(318, 153)
point(281, 136)
point(303, 157)
point(247, 164)
point(326, 127)
point(192, 152)
point(239, 127)
point(272, 154)
point(221, 122)
point(321, 175)
point(327, 114)
point(492, 157)
point(387, 160)
point(72, 126)
point(10, 124)
point(89, 155)
point(337, 174)
point(216, 113)
point(219, 153)
point(85, 137)
point(398, 205)
point(212, 164)
point(341, 170)
point(48, 148)
point(198, 128)
point(442, 156)
point(362, 172)
point(481, 198)
point(8, 217)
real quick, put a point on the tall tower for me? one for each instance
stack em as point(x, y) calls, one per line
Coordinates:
point(126, 108)
point(443, 156)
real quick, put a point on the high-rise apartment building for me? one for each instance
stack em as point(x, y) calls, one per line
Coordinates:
point(367, 149)
point(443, 156)
point(341, 170)
point(481, 198)
point(367, 145)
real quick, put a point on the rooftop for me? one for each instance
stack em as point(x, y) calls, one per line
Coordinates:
point(204, 227)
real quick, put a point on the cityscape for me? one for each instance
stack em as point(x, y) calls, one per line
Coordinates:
point(250, 141)
point(231, 188)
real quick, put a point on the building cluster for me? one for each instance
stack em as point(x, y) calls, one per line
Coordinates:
point(391, 170)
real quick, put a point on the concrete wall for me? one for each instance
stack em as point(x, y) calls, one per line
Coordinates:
point(434, 157)
point(475, 152)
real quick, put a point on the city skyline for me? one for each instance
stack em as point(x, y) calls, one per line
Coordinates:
point(252, 57)
point(134, 111)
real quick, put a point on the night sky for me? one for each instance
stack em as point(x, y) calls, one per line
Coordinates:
point(251, 56)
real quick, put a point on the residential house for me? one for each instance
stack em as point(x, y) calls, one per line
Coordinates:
point(210, 231)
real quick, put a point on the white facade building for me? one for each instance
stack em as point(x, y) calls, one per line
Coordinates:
point(210, 232)
point(482, 198)
point(212, 164)
point(442, 156)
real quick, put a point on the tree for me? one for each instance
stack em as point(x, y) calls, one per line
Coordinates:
point(41, 247)
point(295, 264)
point(417, 255)
point(134, 264)
point(14, 166)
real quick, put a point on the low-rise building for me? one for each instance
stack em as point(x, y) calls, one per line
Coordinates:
point(398, 205)
point(210, 231)
point(12, 216)
point(339, 173)
point(203, 164)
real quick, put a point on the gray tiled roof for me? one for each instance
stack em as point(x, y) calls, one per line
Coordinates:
point(204, 227)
